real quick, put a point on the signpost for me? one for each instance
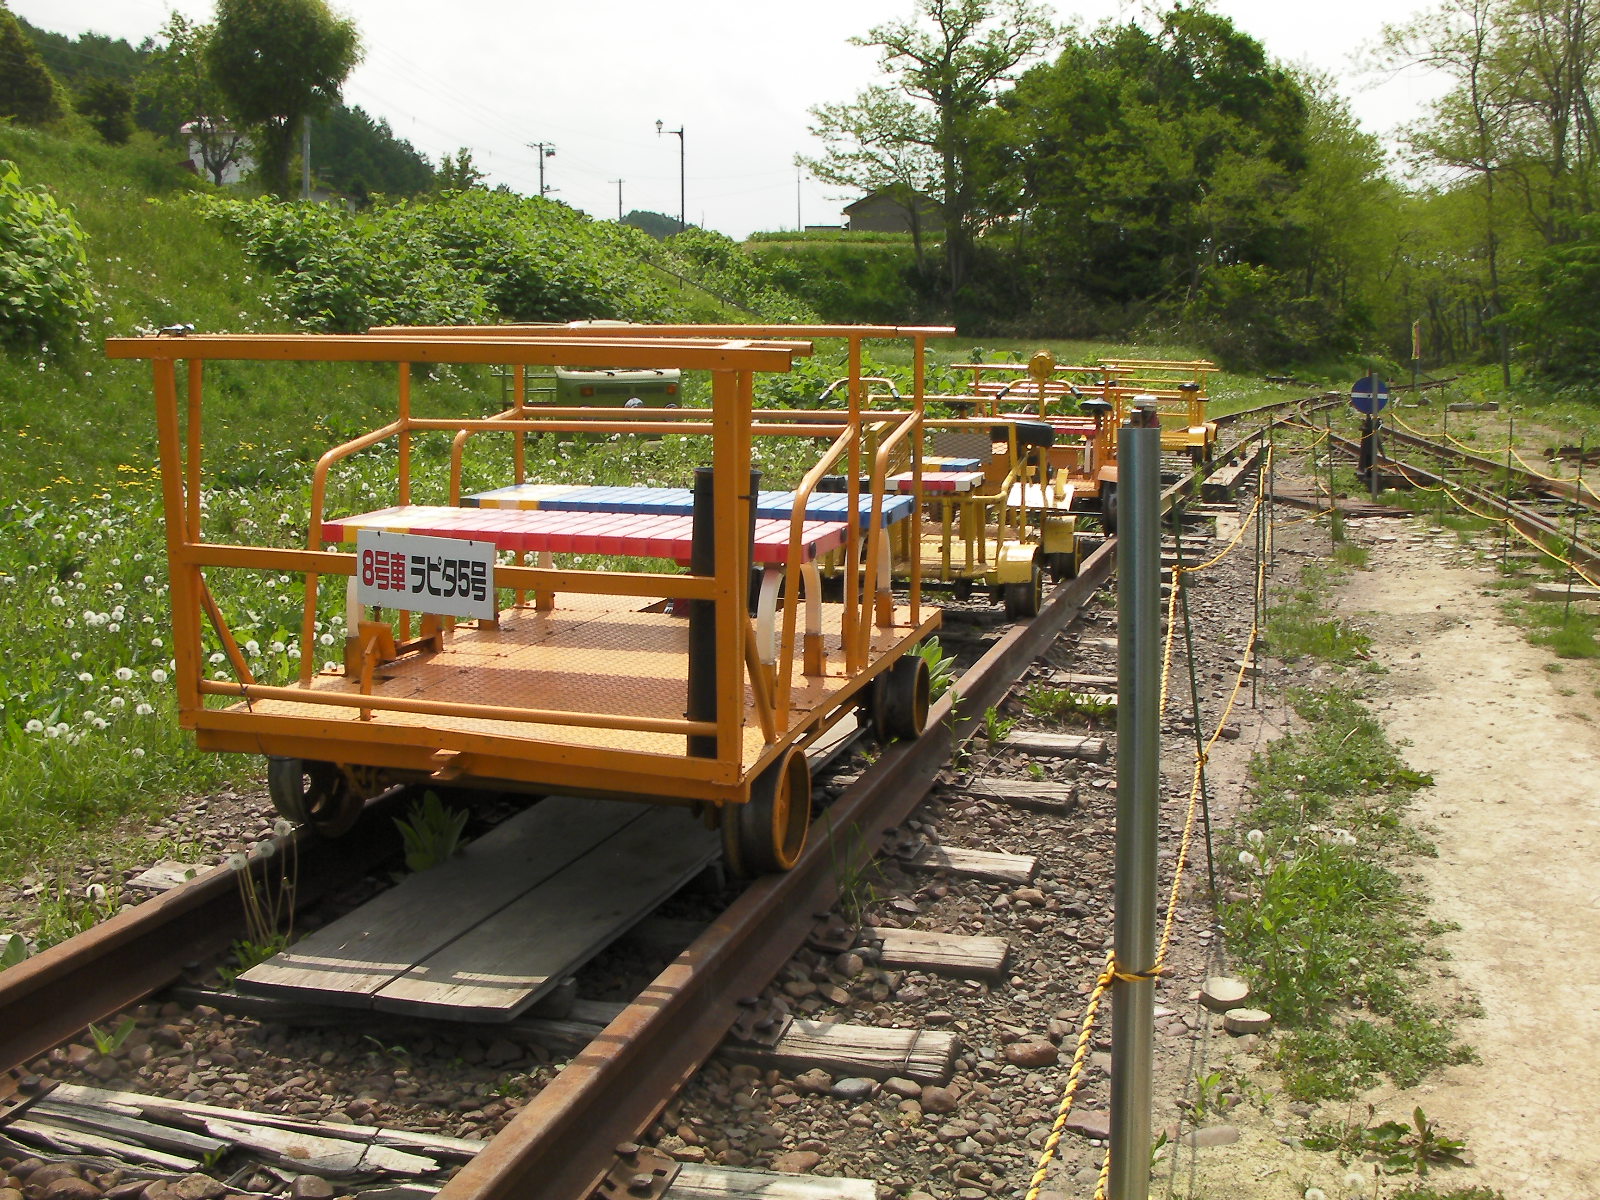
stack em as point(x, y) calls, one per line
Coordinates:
point(1369, 396)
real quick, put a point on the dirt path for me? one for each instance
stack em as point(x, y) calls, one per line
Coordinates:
point(1515, 753)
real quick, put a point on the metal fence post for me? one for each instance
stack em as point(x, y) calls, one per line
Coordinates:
point(1138, 800)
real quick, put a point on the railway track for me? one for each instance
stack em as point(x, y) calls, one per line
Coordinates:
point(1559, 514)
point(564, 1141)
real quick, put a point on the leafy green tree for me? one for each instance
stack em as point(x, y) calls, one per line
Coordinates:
point(1558, 315)
point(277, 63)
point(108, 106)
point(457, 174)
point(178, 86)
point(360, 156)
point(950, 57)
point(27, 89)
point(880, 143)
point(1144, 161)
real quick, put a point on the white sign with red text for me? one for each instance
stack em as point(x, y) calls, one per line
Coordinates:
point(414, 573)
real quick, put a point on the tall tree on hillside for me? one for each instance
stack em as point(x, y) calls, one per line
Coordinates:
point(178, 87)
point(27, 91)
point(108, 106)
point(278, 62)
point(950, 56)
point(881, 142)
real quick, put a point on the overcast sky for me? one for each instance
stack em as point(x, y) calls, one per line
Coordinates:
point(592, 79)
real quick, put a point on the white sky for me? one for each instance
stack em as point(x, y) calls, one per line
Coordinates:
point(593, 78)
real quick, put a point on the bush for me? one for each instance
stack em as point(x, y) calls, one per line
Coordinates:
point(44, 272)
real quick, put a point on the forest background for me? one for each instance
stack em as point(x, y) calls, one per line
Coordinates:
point(1159, 177)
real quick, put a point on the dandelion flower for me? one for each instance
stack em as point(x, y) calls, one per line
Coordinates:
point(236, 862)
point(95, 892)
point(1248, 860)
point(1255, 837)
point(266, 849)
point(283, 827)
point(217, 656)
point(34, 726)
point(158, 675)
point(142, 710)
point(138, 751)
point(124, 673)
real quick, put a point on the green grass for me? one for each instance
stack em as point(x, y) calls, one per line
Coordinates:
point(1325, 931)
point(1299, 626)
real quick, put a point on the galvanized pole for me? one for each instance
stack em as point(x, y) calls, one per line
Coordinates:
point(1577, 511)
point(1505, 528)
point(1138, 798)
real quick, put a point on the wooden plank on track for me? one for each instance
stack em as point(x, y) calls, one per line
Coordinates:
point(352, 959)
point(1084, 682)
point(83, 1142)
point(962, 956)
point(1032, 794)
point(1062, 745)
point(928, 1056)
point(501, 966)
point(975, 864)
point(698, 1181)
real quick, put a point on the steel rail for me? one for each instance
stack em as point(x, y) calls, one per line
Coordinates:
point(561, 1144)
point(52, 995)
point(1532, 524)
point(1566, 489)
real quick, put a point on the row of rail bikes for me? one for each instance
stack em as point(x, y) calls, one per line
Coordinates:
point(507, 638)
point(673, 644)
point(1084, 405)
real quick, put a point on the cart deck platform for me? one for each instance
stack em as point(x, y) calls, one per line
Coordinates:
point(649, 535)
point(677, 502)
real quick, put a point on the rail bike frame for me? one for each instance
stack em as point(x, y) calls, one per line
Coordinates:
point(763, 711)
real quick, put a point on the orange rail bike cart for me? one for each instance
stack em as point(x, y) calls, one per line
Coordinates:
point(649, 685)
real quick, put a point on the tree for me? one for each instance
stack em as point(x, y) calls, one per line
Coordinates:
point(108, 105)
point(27, 89)
point(179, 88)
point(457, 174)
point(277, 63)
point(360, 156)
point(1147, 160)
point(953, 64)
point(881, 143)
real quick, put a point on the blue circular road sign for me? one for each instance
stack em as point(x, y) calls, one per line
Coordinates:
point(1369, 395)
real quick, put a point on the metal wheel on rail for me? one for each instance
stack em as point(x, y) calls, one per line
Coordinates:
point(767, 833)
point(1108, 507)
point(313, 793)
point(902, 710)
point(1023, 599)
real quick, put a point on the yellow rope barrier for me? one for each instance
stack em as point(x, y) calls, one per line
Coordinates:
point(1112, 972)
point(1074, 1078)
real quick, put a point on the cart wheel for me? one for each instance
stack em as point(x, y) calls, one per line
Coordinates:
point(875, 707)
point(313, 793)
point(1064, 565)
point(905, 698)
point(1023, 599)
point(767, 833)
point(1108, 507)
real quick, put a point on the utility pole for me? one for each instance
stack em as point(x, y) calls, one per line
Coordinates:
point(798, 175)
point(683, 209)
point(619, 183)
point(544, 150)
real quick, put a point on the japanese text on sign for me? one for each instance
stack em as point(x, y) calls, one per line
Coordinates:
point(408, 571)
